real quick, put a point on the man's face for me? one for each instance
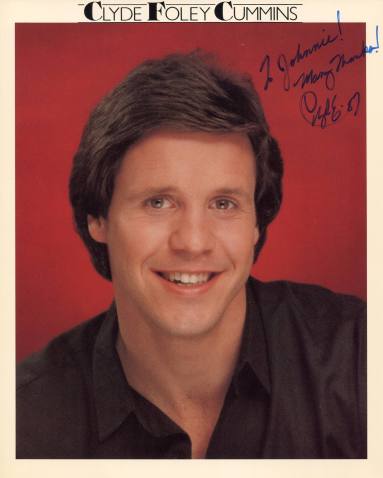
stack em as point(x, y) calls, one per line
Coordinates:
point(181, 230)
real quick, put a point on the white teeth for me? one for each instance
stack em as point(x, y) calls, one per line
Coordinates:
point(186, 278)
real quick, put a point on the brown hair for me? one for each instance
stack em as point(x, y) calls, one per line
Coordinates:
point(188, 92)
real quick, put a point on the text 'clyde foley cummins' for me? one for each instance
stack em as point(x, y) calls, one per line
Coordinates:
point(226, 11)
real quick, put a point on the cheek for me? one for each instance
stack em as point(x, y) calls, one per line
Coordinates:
point(238, 239)
point(136, 239)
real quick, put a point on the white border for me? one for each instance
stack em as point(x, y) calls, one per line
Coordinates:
point(368, 11)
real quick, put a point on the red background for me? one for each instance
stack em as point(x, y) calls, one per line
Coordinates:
point(62, 70)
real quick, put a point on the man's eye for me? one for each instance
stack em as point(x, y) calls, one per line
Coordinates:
point(224, 204)
point(158, 203)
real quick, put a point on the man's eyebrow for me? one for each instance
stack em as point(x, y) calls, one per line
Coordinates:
point(239, 192)
point(151, 191)
point(161, 190)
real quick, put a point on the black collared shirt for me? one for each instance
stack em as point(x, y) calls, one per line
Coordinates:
point(298, 390)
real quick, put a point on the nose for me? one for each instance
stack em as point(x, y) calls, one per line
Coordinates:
point(192, 234)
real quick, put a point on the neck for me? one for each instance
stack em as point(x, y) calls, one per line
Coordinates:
point(171, 370)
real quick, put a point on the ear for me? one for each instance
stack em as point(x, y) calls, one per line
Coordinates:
point(97, 228)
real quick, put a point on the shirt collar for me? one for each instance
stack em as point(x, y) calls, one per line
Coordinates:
point(114, 398)
point(112, 394)
point(253, 358)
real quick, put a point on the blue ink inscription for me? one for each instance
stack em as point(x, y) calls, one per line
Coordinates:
point(329, 112)
point(341, 60)
point(269, 79)
point(302, 55)
point(375, 48)
point(315, 112)
point(312, 77)
point(284, 68)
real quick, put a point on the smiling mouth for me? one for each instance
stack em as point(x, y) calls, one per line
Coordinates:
point(187, 279)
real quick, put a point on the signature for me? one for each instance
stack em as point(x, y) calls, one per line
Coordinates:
point(330, 111)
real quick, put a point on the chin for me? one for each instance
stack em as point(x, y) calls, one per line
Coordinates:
point(187, 323)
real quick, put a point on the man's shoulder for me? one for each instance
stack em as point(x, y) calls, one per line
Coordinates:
point(53, 389)
point(319, 310)
point(310, 299)
point(64, 352)
point(316, 343)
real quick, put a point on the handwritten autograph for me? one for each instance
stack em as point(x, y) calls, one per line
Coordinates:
point(330, 112)
point(311, 77)
point(314, 113)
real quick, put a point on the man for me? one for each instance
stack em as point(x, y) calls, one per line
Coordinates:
point(173, 186)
